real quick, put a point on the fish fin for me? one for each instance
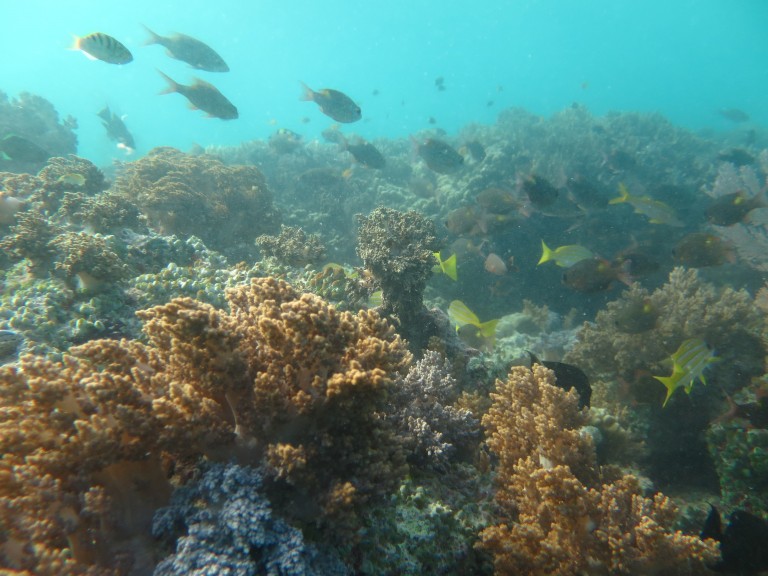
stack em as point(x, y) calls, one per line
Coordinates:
point(488, 329)
point(546, 253)
point(448, 266)
point(307, 94)
point(670, 383)
point(623, 195)
point(172, 87)
point(153, 37)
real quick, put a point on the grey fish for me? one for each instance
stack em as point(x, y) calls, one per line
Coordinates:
point(333, 103)
point(20, 149)
point(203, 96)
point(10, 342)
point(190, 50)
point(116, 129)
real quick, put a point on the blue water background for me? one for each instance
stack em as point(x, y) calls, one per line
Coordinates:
point(683, 58)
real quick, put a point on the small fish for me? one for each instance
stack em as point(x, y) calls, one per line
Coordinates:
point(375, 299)
point(284, 141)
point(473, 221)
point(656, 211)
point(688, 365)
point(591, 275)
point(743, 547)
point(72, 179)
point(568, 376)
point(333, 135)
point(100, 46)
point(495, 265)
point(116, 129)
point(9, 345)
point(564, 256)
point(447, 266)
point(737, 157)
point(440, 83)
point(497, 201)
point(476, 149)
point(439, 156)
point(190, 50)
point(734, 115)
point(20, 149)
point(333, 103)
point(539, 191)
point(700, 249)
point(469, 328)
point(203, 96)
point(366, 154)
point(733, 208)
point(636, 316)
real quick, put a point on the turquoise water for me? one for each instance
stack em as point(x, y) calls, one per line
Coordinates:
point(684, 59)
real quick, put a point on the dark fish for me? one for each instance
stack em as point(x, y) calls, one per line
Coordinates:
point(99, 46)
point(636, 263)
point(497, 201)
point(734, 115)
point(743, 544)
point(733, 208)
point(699, 250)
point(591, 275)
point(476, 149)
point(636, 316)
point(20, 149)
point(439, 156)
point(568, 376)
point(203, 96)
point(10, 342)
point(116, 129)
point(190, 50)
point(737, 156)
point(284, 141)
point(333, 103)
point(540, 192)
point(367, 154)
point(440, 83)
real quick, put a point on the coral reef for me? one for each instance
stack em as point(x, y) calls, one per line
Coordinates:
point(558, 516)
point(89, 262)
point(292, 246)
point(226, 206)
point(398, 250)
point(31, 238)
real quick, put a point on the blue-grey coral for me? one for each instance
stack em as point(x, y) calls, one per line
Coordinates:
point(231, 530)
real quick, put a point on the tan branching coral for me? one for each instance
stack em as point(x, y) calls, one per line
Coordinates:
point(556, 517)
point(282, 380)
point(199, 195)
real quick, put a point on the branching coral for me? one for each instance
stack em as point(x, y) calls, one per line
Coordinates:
point(557, 518)
point(89, 259)
point(198, 195)
point(292, 246)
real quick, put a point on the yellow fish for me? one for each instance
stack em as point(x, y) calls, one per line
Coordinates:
point(564, 256)
point(688, 365)
point(447, 266)
point(656, 211)
point(469, 328)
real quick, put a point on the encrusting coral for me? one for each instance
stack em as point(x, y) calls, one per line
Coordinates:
point(292, 246)
point(557, 517)
point(283, 380)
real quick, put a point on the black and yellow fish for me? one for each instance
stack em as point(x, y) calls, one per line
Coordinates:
point(733, 208)
point(100, 46)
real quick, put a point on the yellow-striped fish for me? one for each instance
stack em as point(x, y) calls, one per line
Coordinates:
point(375, 299)
point(469, 328)
point(447, 266)
point(656, 211)
point(564, 256)
point(100, 46)
point(688, 365)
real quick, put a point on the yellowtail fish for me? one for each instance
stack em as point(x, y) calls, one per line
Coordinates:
point(564, 256)
point(688, 365)
point(469, 328)
point(100, 46)
point(203, 96)
point(656, 211)
point(447, 266)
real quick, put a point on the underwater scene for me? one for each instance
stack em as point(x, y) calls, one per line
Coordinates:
point(409, 288)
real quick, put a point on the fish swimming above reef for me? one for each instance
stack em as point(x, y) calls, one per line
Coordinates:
point(592, 275)
point(366, 154)
point(117, 130)
point(733, 208)
point(476, 150)
point(701, 249)
point(439, 156)
point(469, 328)
point(203, 96)
point(564, 256)
point(190, 50)
point(656, 211)
point(743, 548)
point(20, 149)
point(688, 365)
point(72, 179)
point(334, 104)
point(734, 115)
point(100, 46)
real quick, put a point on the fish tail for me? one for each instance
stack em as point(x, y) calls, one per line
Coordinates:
point(670, 384)
point(172, 87)
point(488, 329)
point(546, 253)
point(623, 195)
point(307, 93)
point(448, 266)
point(153, 38)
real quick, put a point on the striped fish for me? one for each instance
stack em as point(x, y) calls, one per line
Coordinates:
point(100, 46)
point(688, 365)
point(469, 328)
